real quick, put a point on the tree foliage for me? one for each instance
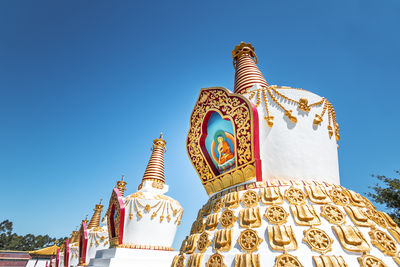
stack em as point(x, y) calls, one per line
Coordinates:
point(387, 193)
point(13, 241)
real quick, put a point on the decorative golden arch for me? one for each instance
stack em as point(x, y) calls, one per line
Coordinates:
point(116, 209)
point(83, 243)
point(244, 118)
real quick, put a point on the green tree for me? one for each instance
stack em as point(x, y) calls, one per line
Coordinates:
point(12, 241)
point(387, 193)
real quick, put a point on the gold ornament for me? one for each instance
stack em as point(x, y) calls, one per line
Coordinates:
point(389, 220)
point(203, 242)
point(178, 261)
point(395, 232)
point(317, 194)
point(295, 196)
point(305, 215)
point(317, 119)
point(216, 260)
point(351, 238)
point(376, 217)
point(357, 216)
point(291, 117)
point(206, 209)
point(197, 227)
point(269, 120)
point(250, 199)
point(355, 198)
point(195, 260)
point(370, 261)
point(271, 195)
point(227, 219)
point(383, 242)
point(249, 240)
point(250, 217)
point(281, 237)
point(231, 200)
point(333, 214)
point(318, 240)
point(287, 260)
point(330, 131)
point(276, 214)
point(339, 197)
point(190, 243)
point(212, 221)
point(223, 240)
point(331, 261)
point(218, 204)
point(303, 105)
point(246, 260)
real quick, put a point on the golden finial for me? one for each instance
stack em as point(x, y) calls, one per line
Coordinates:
point(155, 168)
point(159, 142)
point(121, 185)
point(243, 49)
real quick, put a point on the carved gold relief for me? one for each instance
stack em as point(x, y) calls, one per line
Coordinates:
point(395, 232)
point(389, 220)
point(397, 260)
point(329, 261)
point(212, 222)
point(249, 240)
point(276, 214)
point(318, 240)
point(370, 261)
point(317, 194)
point(218, 204)
point(223, 240)
point(250, 199)
point(355, 198)
point(178, 261)
point(203, 242)
point(250, 217)
point(232, 200)
point(358, 217)
point(195, 260)
point(295, 196)
point(197, 227)
point(281, 237)
point(287, 260)
point(351, 238)
point(216, 260)
point(247, 260)
point(333, 214)
point(190, 244)
point(339, 197)
point(227, 219)
point(377, 217)
point(206, 209)
point(305, 215)
point(271, 195)
point(383, 242)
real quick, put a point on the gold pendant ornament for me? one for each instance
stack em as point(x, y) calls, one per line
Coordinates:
point(351, 238)
point(269, 120)
point(203, 242)
point(292, 118)
point(249, 240)
point(190, 244)
point(276, 214)
point(216, 260)
point(250, 217)
point(271, 195)
point(383, 242)
point(250, 199)
point(331, 261)
point(281, 237)
point(358, 217)
point(227, 219)
point(212, 222)
point(287, 260)
point(318, 240)
point(317, 194)
point(317, 119)
point(333, 214)
point(305, 215)
point(223, 240)
point(247, 260)
point(339, 197)
point(303, 105)
point(370, 261)
point(295, 196)
point(231, 200)
point(195, 260)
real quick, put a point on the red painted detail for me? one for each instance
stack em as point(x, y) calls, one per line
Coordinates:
point(83, 243)
point(256, 142)
point(58, 258)
point(66, 253)
point(121, 215)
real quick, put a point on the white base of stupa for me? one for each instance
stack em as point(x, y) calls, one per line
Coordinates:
point(122, 257)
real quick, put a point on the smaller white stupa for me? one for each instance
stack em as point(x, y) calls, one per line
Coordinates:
point(142, 226)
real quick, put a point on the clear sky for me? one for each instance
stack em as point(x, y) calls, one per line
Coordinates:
point(85, 86)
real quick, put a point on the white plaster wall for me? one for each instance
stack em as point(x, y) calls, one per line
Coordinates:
point(38, 263)
point(93, 246)
point(299, 150)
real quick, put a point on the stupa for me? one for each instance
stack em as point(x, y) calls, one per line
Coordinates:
point(142, 225)
point(267, 157)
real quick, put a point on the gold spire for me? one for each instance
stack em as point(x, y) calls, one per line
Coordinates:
point(155, 167)
point(74, 237)
point(121, 185)
point(246, 70)
point(95, 221)
point(85, 220)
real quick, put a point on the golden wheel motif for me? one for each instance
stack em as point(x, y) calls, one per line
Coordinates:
point(333, 214)
point(383, 242)
point(370, 261)
point(276, 214)
point(318, 240)
point(227, 219)
point(295, 196)
point(287, 260)
point(218, 204)
point(249, 240)
point(216, 260)
point(181, 261)
point(339, 197)
point(250, 199)
point(203, 242)
point(376, 217)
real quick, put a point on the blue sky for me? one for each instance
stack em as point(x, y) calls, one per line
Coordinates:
point(85, 86)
